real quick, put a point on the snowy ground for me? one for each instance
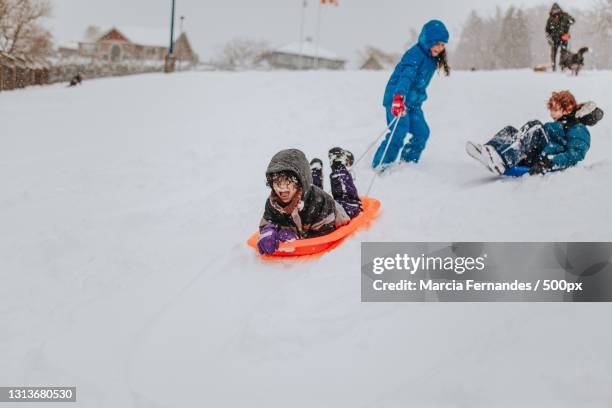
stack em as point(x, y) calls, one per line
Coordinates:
point(125, 204)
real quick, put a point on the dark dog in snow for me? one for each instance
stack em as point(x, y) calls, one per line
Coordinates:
point(77, 79)
point(573, 61)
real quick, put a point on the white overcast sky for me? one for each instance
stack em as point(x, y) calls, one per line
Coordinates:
point(344, 29)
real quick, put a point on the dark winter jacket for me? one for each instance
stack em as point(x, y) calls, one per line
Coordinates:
point(558, 25)
point(416, 68)
point(316, 214)
point(568, 142)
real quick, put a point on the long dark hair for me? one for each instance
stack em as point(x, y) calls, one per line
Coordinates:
point(442, 63)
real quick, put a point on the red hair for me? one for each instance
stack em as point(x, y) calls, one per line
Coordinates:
point(563, 99)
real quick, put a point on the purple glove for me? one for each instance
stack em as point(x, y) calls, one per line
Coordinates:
point(268, 239)
point(286, 235)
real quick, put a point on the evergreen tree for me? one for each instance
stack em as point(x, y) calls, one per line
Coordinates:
point(470, 52)
point(602, 19)
point(505, 49)
point(513, 49)
point(492, 32)
point(522, 38)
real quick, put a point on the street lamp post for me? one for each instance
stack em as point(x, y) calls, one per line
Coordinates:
point(170, 59)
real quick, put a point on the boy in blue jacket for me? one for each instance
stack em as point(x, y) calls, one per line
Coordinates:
point(541, 147)
point(406, 92)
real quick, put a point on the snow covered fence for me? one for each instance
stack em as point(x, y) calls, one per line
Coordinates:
point(16, 72)
point(63, 72)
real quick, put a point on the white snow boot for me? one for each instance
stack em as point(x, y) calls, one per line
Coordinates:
point(474, 150)
point(494, 161)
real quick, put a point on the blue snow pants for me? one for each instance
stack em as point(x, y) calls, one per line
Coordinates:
point(522, 146)
point(413, 123)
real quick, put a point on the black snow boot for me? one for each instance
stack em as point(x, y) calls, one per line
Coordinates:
point(340, 157)
point(316, 169)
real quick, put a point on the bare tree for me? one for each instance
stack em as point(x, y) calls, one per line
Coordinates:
point(21, 31)
point(3, 9)
point(241, 53)
point(92, 33)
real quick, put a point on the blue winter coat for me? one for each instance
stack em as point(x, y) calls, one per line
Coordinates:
point(416, 68)
point(565, 148)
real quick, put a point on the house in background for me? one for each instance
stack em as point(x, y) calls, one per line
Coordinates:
point(68, 50)
point(377, 60)
point(303, 56)
point(131, 44)
point(372, 63)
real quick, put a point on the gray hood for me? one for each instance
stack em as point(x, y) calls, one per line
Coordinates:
point(295, 161)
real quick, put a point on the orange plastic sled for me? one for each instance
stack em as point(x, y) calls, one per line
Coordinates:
point(319, 245)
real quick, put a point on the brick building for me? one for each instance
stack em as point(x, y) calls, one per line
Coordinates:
point(134, 44)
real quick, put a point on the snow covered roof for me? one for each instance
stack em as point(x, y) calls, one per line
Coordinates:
point(6, 55)
point(308, 49)
point(154, 37)
point(69, 44)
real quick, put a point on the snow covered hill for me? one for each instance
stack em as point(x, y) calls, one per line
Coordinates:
point(124, 209)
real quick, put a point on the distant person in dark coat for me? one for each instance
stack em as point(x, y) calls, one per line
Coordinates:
point(557, 31)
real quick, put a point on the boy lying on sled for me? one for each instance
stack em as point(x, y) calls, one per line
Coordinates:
point(298, 207)
point(542, 148)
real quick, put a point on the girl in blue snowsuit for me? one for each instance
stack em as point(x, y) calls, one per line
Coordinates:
point(406, 92)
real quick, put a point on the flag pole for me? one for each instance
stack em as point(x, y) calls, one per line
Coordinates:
point(170, 63)
point(171, 48)
point(316, 61)
point(303, 19)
